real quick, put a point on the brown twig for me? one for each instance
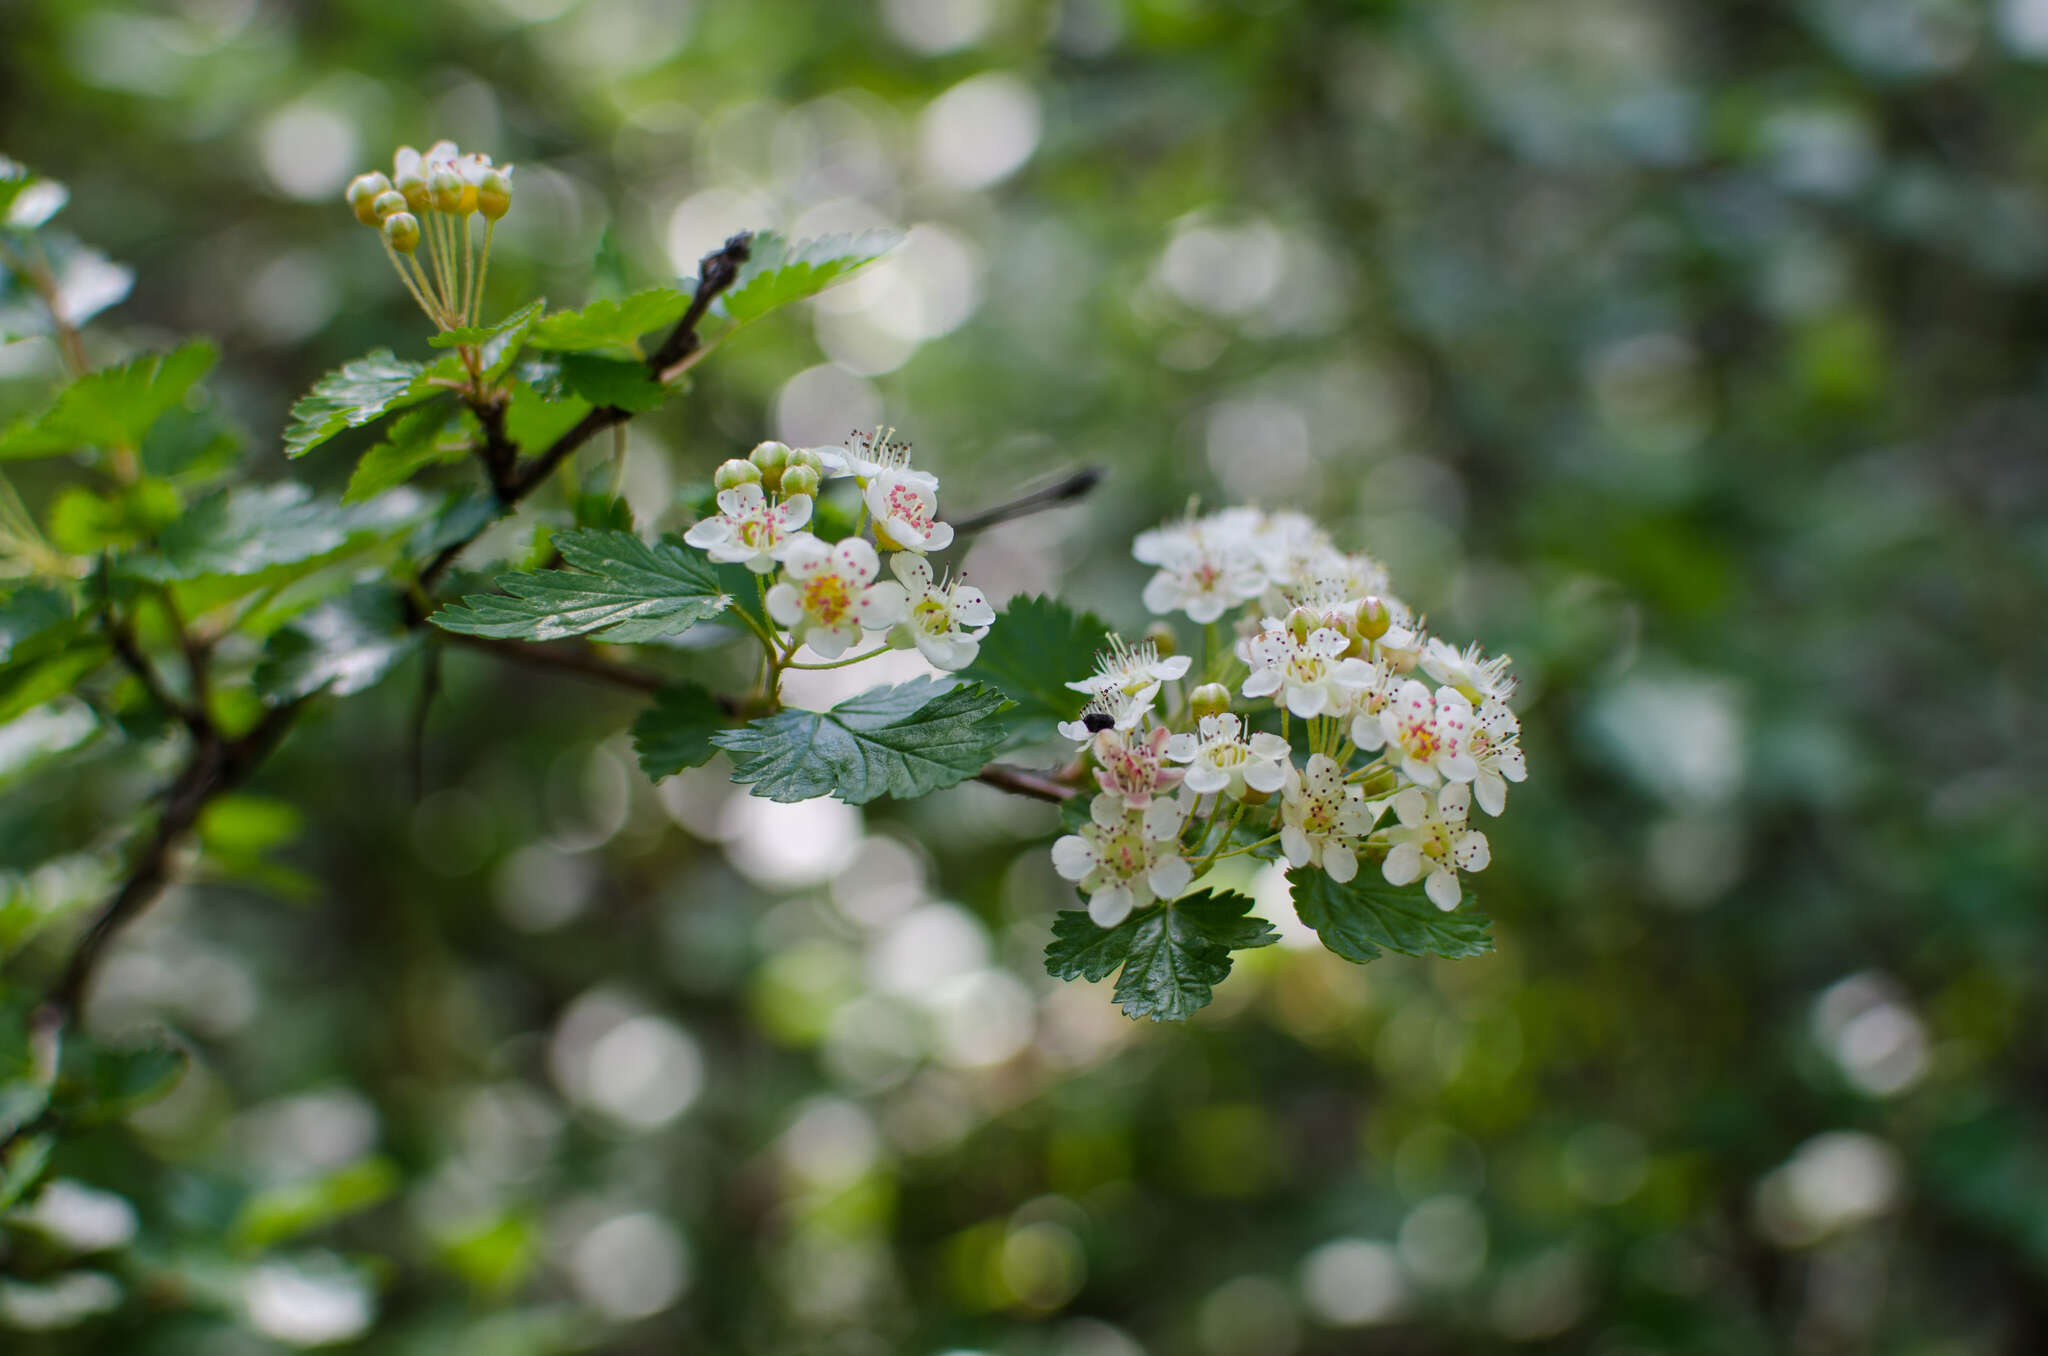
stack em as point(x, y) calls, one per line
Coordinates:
point(1062, 491)
point(1024, 782)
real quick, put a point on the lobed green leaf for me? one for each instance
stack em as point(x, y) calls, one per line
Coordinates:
point(614, 325)
point(1360, 918)
point(250, 528)
point(1171, 956)
point(676, 731)
point(343, 646)
point(356, 393)
point(618, 586)
point(113, 407)
point(778, 272)
point(904, 741)
point(412, 444)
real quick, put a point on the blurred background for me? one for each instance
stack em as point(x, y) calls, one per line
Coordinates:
point(1692, 353)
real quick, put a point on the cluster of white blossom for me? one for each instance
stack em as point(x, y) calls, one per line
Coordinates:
point(429, 198)
point(828, 594)
point(1328, 726)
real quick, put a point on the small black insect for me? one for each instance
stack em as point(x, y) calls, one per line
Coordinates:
point(1097, 721)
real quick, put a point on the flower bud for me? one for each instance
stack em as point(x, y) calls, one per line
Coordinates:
point(1253, 796)
point(1210, 699)
point(402, 232)
point(805, 457)
point(771, 458)
point(799, 480)
point(363, 191)
point(1373, 619)
point(1163, 639)
point(446, 187)
point(1301, 621)
point(384, 204)
point(736, 472)
point(494, 194)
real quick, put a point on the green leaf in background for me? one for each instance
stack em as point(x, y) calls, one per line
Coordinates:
point(352, 395)
point(612, 325)
point(44, 649)
point(342, 646)
point(56, 890)
point(511, 329)
point(611, 381)
point(1359, 918)
point(1037, 646)
point(619, 586)
point(255, 527)
point(412, 444)
point(1172, 955)
point(283, 1213)
point(905, 741)
point(778, 272)
point(113, 407)
point(533, 420)
point(676, 731)
point(85, 523)
point(21, 1166)
point(97, 1083)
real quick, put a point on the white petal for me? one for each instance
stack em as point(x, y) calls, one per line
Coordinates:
point(1206, 778)
point(1163, 819)
point(1491, 792)
point(859, 557)
point(1107, 811)
point(1171, 876)
point(1458, 767)
point(784, 605)
point(829, 642)
point(1072, 857)
point(793, 512)
point(939, 538)
point(1403, 864)
point(950, 652)
point(1110, 907)
point(1307, 702)
point(743, 501)
point(1264, 683)
point(708, 532)
point(1367, 734)
point(881, 606)
point(1454, 802)
point(1295, 844)
point(1267, 746)
point(1076, 731)
point(1161, 594)
point(1171, 667)
point(1340, 862)
point(1182, 748)
point(1206, 609)
point(970, 607)
point(1266, 777)
point(1442, 889)
point(1471, 851)
point(914, 570)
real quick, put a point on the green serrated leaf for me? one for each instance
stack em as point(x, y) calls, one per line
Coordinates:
point(21, 1167)
point(354, 394)
point(904, 741)
point(1359, 918)
point(1181, 951)
point(1081, 948)
point(534, 420)
point(113, 407)
point(778, 272)
point(26, 685)
point(612, 325)
point(1036, 647)
point(611, 381)
point(343, 646)
point(412, 444)
point(250, 528)
point(286, 1212)
point(470, 336)
point(676, 731)
point(618, 586)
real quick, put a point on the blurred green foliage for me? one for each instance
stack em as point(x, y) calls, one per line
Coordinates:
point(1689, 352)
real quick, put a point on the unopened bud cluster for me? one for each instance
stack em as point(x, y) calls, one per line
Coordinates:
point(428, 199)
point(827, 594)
point(1328, 727)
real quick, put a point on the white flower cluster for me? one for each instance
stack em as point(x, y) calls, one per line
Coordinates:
point(828, 594)
point(1325, 708)
point(429, 199)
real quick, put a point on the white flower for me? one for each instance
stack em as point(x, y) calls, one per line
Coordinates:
point(1134, 770)
point(1322, 819)
point(1371, 699)
point(1223, 760)
point(906, 507)
point(1206, 566)
point(1311, 675)
point(1495, 746)
point(1134, 672)
point(1433, 841)
point(1428, 733)
point(825, 598)
point(868, 455)
point(1105, 711)
point(1470, 672)
point(749, 530)
point(937, 617)
point(1125, 858)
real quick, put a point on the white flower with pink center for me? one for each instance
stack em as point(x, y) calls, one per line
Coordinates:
point(945, 621)
point(1133, 672)
point(906, 506)
point(1370, 700)
point(1309, 673)
point(1223, 760)
point(867, 455)
point(1125, 858)
point(749, 530)
point(1496, 748)
point(1433, 842)
point(1469, 671)
point(1428, 733)
point(1109, 710)
point(827, 595)
point(1322, 820)
point(1133, 768)
point(1206, 566)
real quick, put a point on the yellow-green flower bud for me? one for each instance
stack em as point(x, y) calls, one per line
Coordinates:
point(1210, 699)
point(446, 186)
point(413, 184)
point(1301, 621)
point(804, 456)
point(799, 480)
point(494, 194)
point(771, 458)
point(384, 204)
point(1373, 619)
point(363, 192)
point(1163, 639)
point(402, 232)
point(734, 473)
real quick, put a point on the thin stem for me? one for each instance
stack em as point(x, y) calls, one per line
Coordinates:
point(70, 344)
point(841, 663)
point(483, 269)
point(1023, 782)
